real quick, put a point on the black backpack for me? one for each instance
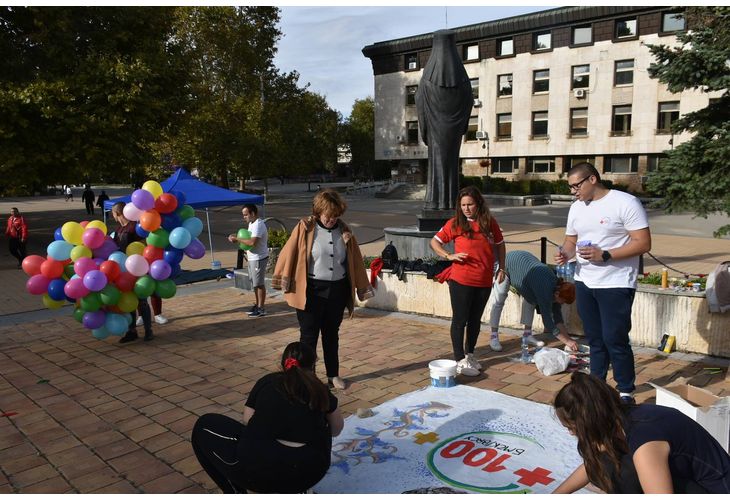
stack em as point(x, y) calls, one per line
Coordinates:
point(389, 256)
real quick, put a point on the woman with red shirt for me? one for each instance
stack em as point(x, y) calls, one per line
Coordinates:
point(475, 234)
point(17, 233)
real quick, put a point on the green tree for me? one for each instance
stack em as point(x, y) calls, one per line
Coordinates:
point(696, 174)
point(358, 132)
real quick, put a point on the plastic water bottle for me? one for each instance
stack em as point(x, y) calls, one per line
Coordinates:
point(525, 357)
point(560, 268)
point(569, 271)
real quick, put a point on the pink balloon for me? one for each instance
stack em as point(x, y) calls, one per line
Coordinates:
point(84, 265)
point(131, 212)
point(37, 285)
point(93, 237)
point(75, 289)
point(137, 265)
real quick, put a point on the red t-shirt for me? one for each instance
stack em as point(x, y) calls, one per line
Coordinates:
point(478, 266)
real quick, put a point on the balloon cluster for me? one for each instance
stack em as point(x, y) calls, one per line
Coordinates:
point(85, 266)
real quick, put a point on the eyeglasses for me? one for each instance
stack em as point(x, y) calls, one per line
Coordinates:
point(577, 185)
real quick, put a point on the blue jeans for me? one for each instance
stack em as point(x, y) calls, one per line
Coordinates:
point(606, 317)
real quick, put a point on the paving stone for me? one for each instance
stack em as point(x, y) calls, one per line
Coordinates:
point(94, 480)
point(54, 485)
point(120, 487)
point(116, 449)
point(34, 475)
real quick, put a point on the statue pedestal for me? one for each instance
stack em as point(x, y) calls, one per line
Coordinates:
point(433, 219)
point(412, 243)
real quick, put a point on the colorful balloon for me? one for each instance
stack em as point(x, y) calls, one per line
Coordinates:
point(100, 333)
point(160, 270)
point(125, 282)
point(59, 250)
point(159, 238)
point(165, 289)
point(140, 231)
point(170, 221)
point(150, 220)
point(120, 258)
point(78, 314)
point(135, 248)
point(52, 268)
point(57, 234)
point(32, 264)
point(93, 237)
point(95, 280)
point(193, 225)
point(75, 289)
point(174, 270)
point(179, 196)
point(153, 187)
point(195, 250)
point(91, 302)
point(116, 324)
point(109, 295)
point(84, 265)
point(166, 203)
point(37, 285)
point(152, 253)
point(93, 319)
point(106, 249)
point(131, 212)
point(80, 251)
point(143, 200)
point(186, 212)
point(180, 237)
point(137, 265)
point(128, 302)
point(55, 289)
point(144, 287)
point(173, 256)
point(98, 225)
point(111, 269)
point(72, 232)
point(244, 234)
point(52, 304)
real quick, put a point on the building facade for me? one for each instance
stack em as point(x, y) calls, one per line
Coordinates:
point(550, 89)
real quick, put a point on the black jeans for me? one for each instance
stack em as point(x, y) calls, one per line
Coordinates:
point(467, 306)
point(17, 249)
point(144, 310)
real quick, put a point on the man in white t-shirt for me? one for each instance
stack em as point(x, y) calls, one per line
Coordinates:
point(257, 255)
point(610, 231)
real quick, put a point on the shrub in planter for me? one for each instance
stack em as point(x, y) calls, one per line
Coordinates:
point(277, 239)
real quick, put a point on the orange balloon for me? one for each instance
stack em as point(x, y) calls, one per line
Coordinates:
point(150, 220)
point(52, 269)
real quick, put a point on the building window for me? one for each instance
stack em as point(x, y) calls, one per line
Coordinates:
point(411, 95)
point(621, 165)
point(624, 72)
point(583, 35)
point(540, 81)
point(504, 126)
point(542, 40)
point(575, 160)
point(504, 165)
point(578, 121)
point(505, 47)
point(621, 120)
point(539, 124)
point(474, 87)
point(471, 131)
point(504, 85)
point(411, 61)
point(654, 162)
point(581, 76)
point(625, 28)
point(412, 131)
point(668, 114)
point(672, 21)
point(471, 52)
point(542, 165)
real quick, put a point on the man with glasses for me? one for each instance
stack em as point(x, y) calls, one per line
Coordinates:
point(607, 231)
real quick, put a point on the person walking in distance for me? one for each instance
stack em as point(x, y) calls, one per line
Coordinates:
point(257, 256)
point(69, 194)
point(88, 198)
point(17, 233)
point(607, 231)
point(101, 199)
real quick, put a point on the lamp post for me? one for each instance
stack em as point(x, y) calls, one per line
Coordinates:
point(486, 162)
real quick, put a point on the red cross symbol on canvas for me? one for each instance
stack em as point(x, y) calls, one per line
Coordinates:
point(538, 475)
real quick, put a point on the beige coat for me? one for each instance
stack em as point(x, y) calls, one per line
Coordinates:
point(290, 273)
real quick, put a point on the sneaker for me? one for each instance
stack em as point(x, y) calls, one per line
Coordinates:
point(160, 319)
point(627, 399)
point(532, 340)
point(472, 360)
point(257, 313)
point(128, 337)
point(495, 345)
point(148, 336)
point(253, 309)
point(463, 368)
point(140, 321)
point(337, 382)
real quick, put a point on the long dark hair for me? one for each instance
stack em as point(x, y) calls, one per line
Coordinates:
point(592, 410)
point(482, 216)
point(300, 383)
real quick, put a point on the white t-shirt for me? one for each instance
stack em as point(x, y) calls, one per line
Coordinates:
point(261, 249)
point(606, 223)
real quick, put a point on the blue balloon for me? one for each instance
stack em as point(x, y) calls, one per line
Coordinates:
point(120, 258)
point(180, 197)
point(194, 226)
point(170, 221)
point(173, 255)
point(140, 231)
point(180, 237)
point(59, 250)
point(116, 324)
point(174, 269)
point(57, 235)
point(55, 289)
point(100, 333)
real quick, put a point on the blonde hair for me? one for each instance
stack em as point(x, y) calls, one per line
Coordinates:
point(329, 202)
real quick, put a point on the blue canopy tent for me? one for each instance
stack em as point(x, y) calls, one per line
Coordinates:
point(198, 194)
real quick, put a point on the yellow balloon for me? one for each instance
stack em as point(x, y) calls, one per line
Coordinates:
point(80, 251)
point(50, 303)
point(135, 248)
point(72, 232)
point(97, 224)
point(153, 187)
point(128, 302)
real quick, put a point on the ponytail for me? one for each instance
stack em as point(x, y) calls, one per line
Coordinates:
point(300, 383)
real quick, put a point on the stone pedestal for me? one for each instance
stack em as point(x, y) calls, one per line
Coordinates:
point(412, 243)
point(433, 220)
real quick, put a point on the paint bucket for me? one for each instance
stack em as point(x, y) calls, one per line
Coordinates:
point(216, 264)
point(443, 373)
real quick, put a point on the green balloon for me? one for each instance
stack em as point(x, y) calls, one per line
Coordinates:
point(68, 271)
point(186, 212)
point(159, 238)
point(244, 234)
point(92, 302)
point(144, 287)
point(165, 289)
point(79, 314)
point(110, 295)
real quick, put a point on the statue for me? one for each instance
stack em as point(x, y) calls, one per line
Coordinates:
point(444, 102)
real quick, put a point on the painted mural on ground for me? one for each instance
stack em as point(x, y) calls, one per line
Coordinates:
point(462, 438)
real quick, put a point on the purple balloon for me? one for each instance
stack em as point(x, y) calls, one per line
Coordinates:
point(95, 281)
point(75, 289)
point(144, 200)
point(160, 270)
point(94, 320)
point(106, 249)
point(195, 250)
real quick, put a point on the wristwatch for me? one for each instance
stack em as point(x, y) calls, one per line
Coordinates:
point(605, 256)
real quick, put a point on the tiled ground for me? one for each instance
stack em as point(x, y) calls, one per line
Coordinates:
point(85, 415)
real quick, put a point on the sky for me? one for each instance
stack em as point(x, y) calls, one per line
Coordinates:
point(324, 44)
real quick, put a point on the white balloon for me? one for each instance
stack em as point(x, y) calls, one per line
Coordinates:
point(131, 212)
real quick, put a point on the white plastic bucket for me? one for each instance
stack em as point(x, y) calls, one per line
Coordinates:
point(216, 264)
point(443, 373)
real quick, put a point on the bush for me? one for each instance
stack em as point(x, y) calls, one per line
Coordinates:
point(277, 238)
point(471, 181)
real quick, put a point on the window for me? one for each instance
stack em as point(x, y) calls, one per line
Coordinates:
point(474, 87)
point(504, 165)
point(544, 165)
point(505, 47)
point(578, 121)
point(471, 131)
point(654, 162)
point(471, 52)
point(540, 81)
point(504, 85)
point(624, 72)
point(411, 95)
point(621, 164)
point(625, 28)
point(672, 21)
point(542, 40)
point(411, 61)
point(504, 126)
point(621, 121)
point(412, 131)
point(575, 160)
point(583, 35)
point(668, 114)
point(581, 76)
point(540, 124)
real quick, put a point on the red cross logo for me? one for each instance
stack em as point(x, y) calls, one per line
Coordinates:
point(529, 478)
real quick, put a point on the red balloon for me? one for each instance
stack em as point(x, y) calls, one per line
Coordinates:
point(166, 203)
point(111, 269)
point(125, 282)
point(32, 264)
point(150, 220)
point(152, 253)
point(52, 268)
point(84, 223)
point(114, 309)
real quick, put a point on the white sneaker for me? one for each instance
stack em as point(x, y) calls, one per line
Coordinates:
point(140, 321)
point(495, 345)
point(160, 319)
point(473, 362)
point(532, 340)
point(463, 368)
point(338, 383)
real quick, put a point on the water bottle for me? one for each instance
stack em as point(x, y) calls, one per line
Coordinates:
point(525, 357)
point(560, 268)
point(569, 271)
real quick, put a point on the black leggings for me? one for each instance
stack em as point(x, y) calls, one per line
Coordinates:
point(238, 461)
point(467, 306)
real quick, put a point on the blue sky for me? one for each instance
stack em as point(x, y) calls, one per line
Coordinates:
point(324, 44)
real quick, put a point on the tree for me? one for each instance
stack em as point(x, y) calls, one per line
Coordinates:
point(359, 134)
point(696, 174)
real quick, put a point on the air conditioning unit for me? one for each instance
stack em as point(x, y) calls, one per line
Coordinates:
point(477, 103)
point(579, 93)
point(482, 135)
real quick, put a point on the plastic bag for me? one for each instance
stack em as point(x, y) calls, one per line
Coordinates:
point(551, 361)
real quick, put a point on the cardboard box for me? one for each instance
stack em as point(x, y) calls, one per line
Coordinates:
point(708, 410)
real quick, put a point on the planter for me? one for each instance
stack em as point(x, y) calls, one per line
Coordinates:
point(273, 257)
